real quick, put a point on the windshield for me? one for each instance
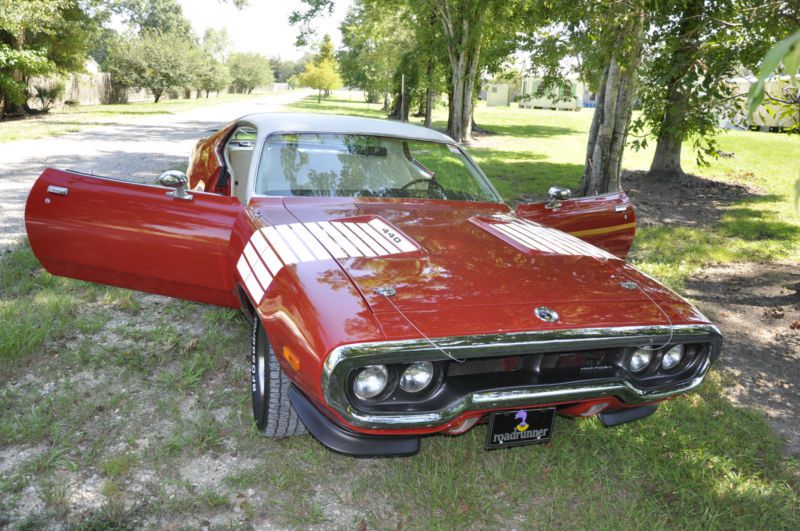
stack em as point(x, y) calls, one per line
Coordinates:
point(332, 165)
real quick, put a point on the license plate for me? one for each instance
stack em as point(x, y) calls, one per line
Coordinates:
point(515, 428)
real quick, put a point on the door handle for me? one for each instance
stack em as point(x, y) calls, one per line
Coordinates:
point(57, 190)
point(620, 208)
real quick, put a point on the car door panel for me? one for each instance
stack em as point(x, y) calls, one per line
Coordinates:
point(207, 169)
point(133, 236)
point(607, 221)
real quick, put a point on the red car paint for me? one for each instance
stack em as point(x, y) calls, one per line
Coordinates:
point(461, 279)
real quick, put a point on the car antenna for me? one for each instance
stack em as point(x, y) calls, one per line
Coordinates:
point(630, 284)
point(388, 291)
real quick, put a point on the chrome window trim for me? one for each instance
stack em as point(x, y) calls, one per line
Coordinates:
point(346, 357)
point(262, 144)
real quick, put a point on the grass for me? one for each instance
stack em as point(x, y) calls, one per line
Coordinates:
point(120, 410)
point(73, 118)
point(141, 426)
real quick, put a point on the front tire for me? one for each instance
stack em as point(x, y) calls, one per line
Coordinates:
point(274, 415)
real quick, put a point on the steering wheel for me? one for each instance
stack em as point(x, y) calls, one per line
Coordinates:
point(431, 181)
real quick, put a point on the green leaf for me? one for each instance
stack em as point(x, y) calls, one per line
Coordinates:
point(792, 62)
point(780, 52)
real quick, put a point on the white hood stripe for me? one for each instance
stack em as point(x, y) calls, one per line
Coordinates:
point(528, 235)
point(271, 248)
point(283, 250)
point(341, 240)
point(393, 235)
point(298, 248)
point(362, 247)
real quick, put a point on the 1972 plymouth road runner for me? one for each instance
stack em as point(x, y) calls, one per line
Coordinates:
point(392, 293)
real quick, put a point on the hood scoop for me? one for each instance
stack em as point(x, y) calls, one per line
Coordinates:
point(532, 238)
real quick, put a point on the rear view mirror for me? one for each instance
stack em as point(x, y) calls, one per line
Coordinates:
point(557, 194)
point(176, 180)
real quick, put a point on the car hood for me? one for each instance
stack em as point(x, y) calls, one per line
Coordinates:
point(450, 260)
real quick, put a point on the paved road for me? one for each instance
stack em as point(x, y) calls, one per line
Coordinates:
point(134, 149)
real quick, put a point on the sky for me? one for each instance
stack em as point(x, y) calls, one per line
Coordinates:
point(262, 26)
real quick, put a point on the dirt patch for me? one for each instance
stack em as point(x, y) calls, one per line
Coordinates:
point(687, 201)
point(757, 307)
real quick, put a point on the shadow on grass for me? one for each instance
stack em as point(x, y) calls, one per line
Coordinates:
point(336, 106)
point(698, 462)
point(112, 112)
point(757, 225)
point(526, 130)
point(523, 176)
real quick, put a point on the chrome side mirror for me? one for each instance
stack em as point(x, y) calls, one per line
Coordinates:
point(557, 194)
point(177, 180)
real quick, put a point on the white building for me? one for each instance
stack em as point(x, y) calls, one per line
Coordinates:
point(498, 95)
point(568, 96)
point(768, 116)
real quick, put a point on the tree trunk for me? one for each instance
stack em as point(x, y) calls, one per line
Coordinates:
point(609, 130)
point(429, 93)
point(454, 118)
point(463, 33)
point(428, 107)
point(157, 96)
point(385, 100)
point(667, 159)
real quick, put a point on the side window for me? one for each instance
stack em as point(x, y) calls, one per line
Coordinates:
point(238, 158)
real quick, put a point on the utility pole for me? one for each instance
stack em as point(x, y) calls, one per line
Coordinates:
point(402, 97)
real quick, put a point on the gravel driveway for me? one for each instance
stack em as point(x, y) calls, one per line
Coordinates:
point(134, 149)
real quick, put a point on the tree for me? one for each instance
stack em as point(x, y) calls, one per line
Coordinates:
point(165, 67)
point(463, 23)
point(40, 37)
point(374, 42)
point(693, 48)
point(165, 16)
point(612, 116)
point(207, 62)
point(125, 65)
point(213, 77)
point(284, 69)
point(323, 77)
point(249, 70)
point(325, 52)
point(604, 40)
point(216, 44)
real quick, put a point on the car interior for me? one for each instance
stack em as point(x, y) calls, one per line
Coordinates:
point(238, 157)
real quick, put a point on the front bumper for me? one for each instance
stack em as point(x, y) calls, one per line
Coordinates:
point(346, 442)
point(344, 359)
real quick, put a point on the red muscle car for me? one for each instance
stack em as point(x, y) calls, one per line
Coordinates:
point(392, 293)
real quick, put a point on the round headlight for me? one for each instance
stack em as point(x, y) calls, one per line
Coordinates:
point(417, 377)
point(640, 360)
point(370, 381)
point(672, 357)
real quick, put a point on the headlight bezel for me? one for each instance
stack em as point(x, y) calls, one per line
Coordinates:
point(393, 392)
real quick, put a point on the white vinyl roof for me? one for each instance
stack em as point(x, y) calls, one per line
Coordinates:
point(268, 123)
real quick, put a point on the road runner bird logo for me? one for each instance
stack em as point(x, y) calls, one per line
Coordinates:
point(523, 418)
